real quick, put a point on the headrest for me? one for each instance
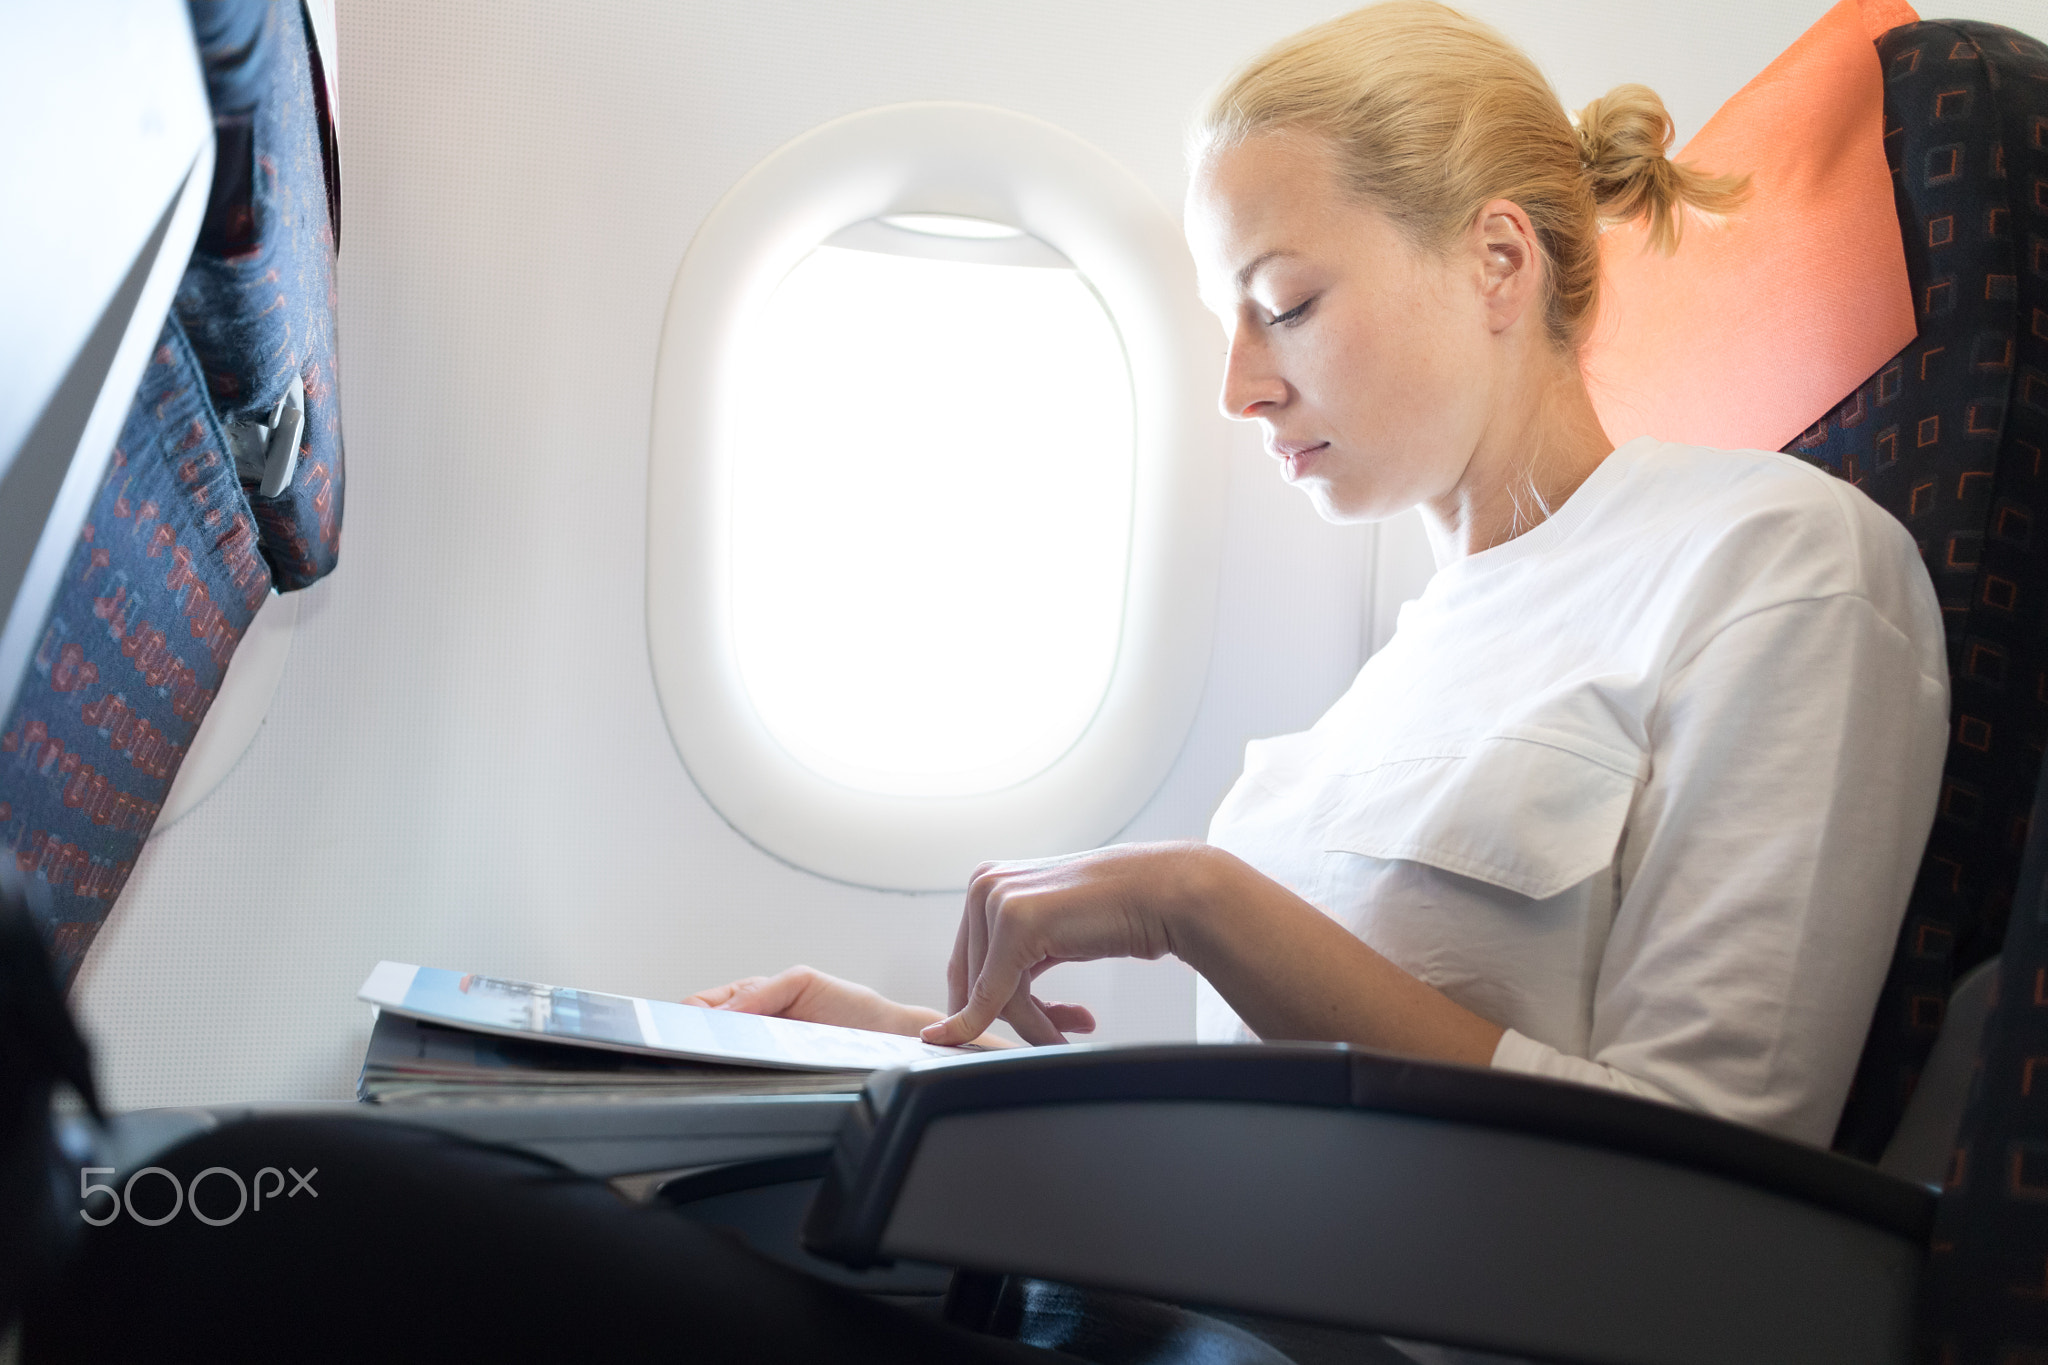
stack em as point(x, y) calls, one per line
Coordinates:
point(1758, 325)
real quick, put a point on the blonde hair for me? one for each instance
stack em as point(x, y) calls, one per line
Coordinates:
point(1434, 114)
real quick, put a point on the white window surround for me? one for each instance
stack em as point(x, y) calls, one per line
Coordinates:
point(978, 162)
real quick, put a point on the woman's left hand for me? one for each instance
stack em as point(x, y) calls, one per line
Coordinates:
point(1026, 917)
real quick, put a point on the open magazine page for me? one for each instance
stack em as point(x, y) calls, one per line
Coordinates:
point(409, 1062)
point(624, 1023)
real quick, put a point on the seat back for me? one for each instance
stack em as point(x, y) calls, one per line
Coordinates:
point(1985, 1290)
point(1949, 437)
point(1923, 1147)
point(181, 547)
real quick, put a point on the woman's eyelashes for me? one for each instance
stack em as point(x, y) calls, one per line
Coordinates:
point(1292, 315)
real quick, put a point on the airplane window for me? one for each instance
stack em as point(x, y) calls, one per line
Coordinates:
point(931, 506)
point(935, 496)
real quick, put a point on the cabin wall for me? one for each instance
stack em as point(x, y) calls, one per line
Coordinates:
point(465, 764)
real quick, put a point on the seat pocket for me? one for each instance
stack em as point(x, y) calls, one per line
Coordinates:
point(1530, 812)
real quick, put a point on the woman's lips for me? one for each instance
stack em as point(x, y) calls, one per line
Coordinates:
point(1296, 457)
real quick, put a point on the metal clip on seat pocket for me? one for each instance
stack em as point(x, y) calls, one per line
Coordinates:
point(267, 452)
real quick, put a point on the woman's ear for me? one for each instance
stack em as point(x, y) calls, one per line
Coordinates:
point(1510, 262)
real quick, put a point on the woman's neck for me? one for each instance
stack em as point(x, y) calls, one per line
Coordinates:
point(1543, 442)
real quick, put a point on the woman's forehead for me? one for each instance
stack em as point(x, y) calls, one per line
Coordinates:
point(1267, 199)
point(1265, 171)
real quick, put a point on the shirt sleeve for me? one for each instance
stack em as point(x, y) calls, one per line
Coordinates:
point(1764, 869)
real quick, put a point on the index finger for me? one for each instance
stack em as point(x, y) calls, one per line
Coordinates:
point(1005, 972)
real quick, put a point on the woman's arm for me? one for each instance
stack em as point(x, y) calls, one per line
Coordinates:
point(1795, 762)
point(1286, 968)
point(1794, 767)
point(1290, 971)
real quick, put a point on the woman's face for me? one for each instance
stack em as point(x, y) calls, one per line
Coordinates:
point(1367, 362)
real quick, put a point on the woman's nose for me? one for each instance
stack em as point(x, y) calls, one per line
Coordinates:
point(1249, 382)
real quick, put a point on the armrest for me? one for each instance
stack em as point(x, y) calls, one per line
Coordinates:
point(1451, 1204)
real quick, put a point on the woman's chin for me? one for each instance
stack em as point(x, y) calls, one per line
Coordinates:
point(1347, 507)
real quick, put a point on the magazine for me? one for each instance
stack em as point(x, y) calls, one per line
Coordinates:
point(625, 1023)
point(409, 1062)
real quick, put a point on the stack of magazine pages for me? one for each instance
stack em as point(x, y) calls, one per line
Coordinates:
point(451, 1037)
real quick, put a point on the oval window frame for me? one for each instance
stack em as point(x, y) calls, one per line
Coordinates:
point(974, 161)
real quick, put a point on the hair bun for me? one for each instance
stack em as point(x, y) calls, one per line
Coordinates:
point(1623, 137)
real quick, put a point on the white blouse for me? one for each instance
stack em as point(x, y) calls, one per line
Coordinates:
point(1646, 785)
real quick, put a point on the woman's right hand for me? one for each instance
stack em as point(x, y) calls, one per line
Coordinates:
point(807, 993)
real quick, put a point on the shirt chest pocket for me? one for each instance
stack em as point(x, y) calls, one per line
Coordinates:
point(1531, 813)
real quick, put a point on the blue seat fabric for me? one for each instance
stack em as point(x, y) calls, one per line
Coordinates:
point(163, 582)
point(177, 555)
point(257, 298)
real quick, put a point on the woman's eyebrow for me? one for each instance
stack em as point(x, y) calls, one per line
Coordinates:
point(1245, 273)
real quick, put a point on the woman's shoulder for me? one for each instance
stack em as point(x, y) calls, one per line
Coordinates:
point(1723, 486)
point(1782, 526)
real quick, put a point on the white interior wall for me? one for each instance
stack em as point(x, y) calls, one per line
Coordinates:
point(464, 764)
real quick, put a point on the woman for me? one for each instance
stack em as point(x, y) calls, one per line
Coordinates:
point(1635, 796)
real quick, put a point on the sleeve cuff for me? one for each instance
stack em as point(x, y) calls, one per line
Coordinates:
point(1519, 1052)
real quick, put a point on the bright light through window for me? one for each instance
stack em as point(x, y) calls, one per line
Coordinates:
point(932, 480)
point(951, 225)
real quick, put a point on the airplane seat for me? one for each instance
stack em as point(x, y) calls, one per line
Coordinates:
point(1947, 436)
point(1504, 1214)
point(225, 483)
point(1987, 1274)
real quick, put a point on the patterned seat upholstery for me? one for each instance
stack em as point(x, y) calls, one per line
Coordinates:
point(1985, 1295)
point(1984, 1300)
point(178, 552)
point(1949, 436)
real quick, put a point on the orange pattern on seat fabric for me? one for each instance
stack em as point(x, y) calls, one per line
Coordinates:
point(1758, 325)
